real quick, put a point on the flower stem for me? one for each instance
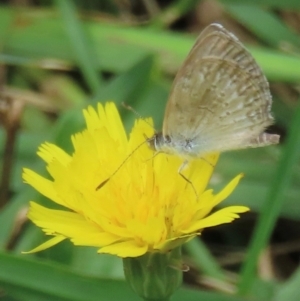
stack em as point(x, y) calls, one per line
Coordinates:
point(154, 276)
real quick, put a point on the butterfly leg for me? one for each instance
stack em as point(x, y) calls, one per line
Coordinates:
point(181, 168)
point(202, 158)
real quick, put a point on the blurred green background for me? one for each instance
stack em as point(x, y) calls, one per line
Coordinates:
point(57, 57)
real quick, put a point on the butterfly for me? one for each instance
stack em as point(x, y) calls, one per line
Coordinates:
point(220, 100)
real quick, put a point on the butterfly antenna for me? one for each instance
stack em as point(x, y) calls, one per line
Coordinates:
point(119, 167)
point(130, 108)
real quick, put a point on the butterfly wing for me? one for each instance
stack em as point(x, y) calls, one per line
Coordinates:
point(220, 99)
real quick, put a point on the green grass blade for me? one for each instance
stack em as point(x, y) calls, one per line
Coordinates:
point(119, 48)
point(273, 204)
point(268, 27)
point(127, 86)
point(279, 4)
point(290, 290)
point(203, 259)
point(29, 280)
point(81, 45)
point(25, 279)
point(173, 12)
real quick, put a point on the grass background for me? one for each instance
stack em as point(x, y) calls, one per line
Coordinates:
point(57, 57)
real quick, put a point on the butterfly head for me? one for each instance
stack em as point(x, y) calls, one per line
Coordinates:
point(159, 143)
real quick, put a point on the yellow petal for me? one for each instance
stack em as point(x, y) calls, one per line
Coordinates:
point(49, 152)
point(42, 185)
point(225, 192)
point(48, 244)
point(125, 249)
point(222, 216)
point(67, 223)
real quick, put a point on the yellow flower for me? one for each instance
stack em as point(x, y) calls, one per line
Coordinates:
point(145, 206)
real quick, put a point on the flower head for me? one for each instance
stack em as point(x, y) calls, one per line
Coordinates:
point(144, 206)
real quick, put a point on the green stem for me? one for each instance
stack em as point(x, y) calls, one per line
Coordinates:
point(154, 276)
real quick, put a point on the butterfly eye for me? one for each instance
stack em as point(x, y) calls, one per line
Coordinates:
point(167, 139)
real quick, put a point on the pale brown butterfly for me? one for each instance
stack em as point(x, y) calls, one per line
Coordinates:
point(220, 100)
